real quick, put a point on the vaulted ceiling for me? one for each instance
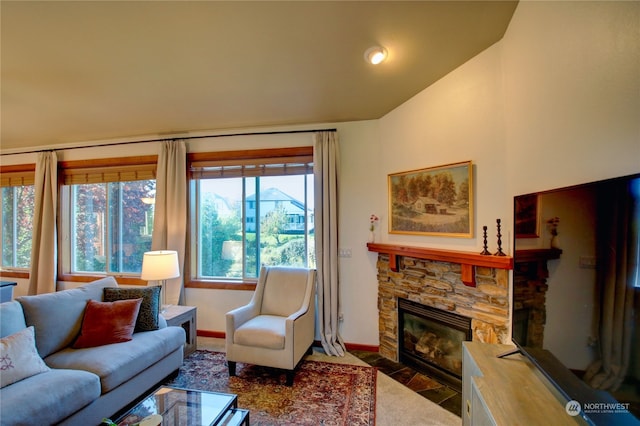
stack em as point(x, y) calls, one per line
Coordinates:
point(77, 71)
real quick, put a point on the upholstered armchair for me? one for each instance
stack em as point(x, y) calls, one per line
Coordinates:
point(277, 327)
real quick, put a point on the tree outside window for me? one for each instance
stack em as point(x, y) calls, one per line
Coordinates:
point(245, 222)
point(17, 225)
point(111, 226)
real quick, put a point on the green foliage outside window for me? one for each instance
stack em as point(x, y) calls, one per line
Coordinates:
point(17, 225)
point(274, 231)
point(111, 226)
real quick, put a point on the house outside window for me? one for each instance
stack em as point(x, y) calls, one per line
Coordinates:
point(267, 216)
point(16, 216)
point(108, 219)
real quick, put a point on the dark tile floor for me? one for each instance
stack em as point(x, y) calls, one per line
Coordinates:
point(441, 394)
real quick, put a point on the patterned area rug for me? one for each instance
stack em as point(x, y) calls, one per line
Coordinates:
point(322, 393)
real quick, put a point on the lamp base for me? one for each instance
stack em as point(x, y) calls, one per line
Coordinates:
point(163, 292)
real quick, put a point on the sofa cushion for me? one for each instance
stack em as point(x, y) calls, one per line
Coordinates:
point(108, 322)
point(119, 362)
point(38, 399)
point(264, 331)
point(150, 308)
point(11, 318)
point(19, 358)
point(57, 316)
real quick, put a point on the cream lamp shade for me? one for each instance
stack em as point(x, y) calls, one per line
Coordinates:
point(160, 265)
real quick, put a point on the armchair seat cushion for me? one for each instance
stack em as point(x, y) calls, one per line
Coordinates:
point(264, 331)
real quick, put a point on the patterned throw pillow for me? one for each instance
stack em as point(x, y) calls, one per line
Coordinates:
point(107, 322)
point(19, 358)
point(150, 308)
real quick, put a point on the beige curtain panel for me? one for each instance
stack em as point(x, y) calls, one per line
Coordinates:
point(325, 169)
point(170, 215)
point(43, 274)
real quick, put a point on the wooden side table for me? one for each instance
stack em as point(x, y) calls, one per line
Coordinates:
point(185, 317)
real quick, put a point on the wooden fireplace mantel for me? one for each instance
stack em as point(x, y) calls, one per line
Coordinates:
point(467, 260)
point(537, 255)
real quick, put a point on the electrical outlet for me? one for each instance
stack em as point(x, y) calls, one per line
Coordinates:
point(344, 252)
point(587, 262)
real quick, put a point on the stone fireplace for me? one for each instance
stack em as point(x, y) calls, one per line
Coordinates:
point(468, 285)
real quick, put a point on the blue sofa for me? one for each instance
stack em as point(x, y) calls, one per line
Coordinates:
point(83, 385)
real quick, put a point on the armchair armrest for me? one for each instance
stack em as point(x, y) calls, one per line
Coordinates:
point(297, 314)
point(236, 317)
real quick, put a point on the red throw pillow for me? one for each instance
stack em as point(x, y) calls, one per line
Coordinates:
point(108, 322)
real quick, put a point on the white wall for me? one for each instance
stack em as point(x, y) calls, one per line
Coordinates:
point(556, 102)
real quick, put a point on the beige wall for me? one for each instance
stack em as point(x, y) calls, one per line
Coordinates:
point(556, 102)
point(572, 93)
point(572, 115)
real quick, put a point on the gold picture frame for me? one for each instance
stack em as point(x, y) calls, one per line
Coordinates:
point(435, 201)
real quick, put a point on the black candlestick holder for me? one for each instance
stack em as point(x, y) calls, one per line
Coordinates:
point(485, 252)
point(499, 252)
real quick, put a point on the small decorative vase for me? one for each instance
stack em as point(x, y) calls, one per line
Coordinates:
point(372, 237)
point(555, 242)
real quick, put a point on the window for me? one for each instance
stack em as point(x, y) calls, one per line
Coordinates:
point(110, 217)
point(18, 199)
point(250, 212)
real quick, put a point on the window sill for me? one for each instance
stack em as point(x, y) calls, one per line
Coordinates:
point(222, 285)
point(214, 285)
point(14, 274)
point(89, 278)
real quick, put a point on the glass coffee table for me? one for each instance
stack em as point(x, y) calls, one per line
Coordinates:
point(185, 407)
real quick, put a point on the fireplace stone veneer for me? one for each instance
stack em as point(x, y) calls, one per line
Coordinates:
point(438, 284)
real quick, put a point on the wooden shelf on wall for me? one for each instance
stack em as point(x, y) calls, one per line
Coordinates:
point(467, 260)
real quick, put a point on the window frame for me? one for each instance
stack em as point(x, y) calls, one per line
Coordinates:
point(11, 176)
point(195, 161)
point(74, 172)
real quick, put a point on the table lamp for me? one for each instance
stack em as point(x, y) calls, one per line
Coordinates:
point(160, 265)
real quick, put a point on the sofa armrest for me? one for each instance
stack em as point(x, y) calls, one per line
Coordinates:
point(162, 321)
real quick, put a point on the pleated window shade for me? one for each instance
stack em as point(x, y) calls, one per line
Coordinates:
point(276, 162)
point(128, 169)
point(17, 178)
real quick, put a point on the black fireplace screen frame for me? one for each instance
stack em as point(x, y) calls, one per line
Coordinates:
point(449, 319)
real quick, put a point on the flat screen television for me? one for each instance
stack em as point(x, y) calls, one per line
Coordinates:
point(576, 295)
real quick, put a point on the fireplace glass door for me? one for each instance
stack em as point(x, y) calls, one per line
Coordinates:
point(432, 339)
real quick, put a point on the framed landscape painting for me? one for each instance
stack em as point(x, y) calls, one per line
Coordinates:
point(434, 201)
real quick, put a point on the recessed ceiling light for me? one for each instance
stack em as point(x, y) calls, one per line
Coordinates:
point(375, 55)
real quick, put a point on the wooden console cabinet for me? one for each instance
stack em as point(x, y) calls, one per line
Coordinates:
point(507, 391)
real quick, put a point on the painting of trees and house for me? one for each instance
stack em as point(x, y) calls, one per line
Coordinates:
point(433, 201)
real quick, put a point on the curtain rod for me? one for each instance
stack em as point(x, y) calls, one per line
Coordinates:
point(275, 132)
